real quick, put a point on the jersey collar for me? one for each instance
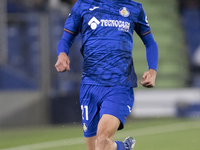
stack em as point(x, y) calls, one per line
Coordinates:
point(113, 0)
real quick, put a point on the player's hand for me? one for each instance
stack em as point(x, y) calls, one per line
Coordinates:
point(148, 78)
point(62, 63)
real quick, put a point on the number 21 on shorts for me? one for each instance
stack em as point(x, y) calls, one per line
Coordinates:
point(84, 110)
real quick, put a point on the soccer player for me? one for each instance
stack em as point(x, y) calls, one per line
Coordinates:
point(108, 78)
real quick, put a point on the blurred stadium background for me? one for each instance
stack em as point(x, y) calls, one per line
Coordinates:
point(39, 108)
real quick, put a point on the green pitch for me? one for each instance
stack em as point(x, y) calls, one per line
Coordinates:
point(150, 134)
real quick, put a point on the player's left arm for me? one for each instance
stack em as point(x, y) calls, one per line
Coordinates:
point(149, 77)
point(143, 29)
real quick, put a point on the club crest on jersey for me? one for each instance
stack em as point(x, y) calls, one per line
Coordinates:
point(124, 12)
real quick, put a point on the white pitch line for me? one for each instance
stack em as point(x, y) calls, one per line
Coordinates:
point(58, 143)
point(159, 129)
point(135, 133)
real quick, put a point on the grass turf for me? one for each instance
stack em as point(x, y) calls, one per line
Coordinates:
point(151, 134)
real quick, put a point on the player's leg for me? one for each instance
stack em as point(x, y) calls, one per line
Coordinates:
point(106, 130)
point(107, 127)
point(90, 113)
point(90, 142)
point(116, 106)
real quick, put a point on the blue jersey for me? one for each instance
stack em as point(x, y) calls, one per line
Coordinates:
point(107, 28)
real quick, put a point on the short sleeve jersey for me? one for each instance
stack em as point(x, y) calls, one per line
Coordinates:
point(107, 28)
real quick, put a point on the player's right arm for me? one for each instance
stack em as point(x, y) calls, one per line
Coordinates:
point(63, 62)
point(71, 29)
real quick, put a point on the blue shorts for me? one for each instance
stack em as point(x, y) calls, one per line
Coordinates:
point(97, 100)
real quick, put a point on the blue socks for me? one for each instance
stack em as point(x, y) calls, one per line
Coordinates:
point(120, 145)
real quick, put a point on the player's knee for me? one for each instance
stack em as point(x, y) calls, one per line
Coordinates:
point(103, 140)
